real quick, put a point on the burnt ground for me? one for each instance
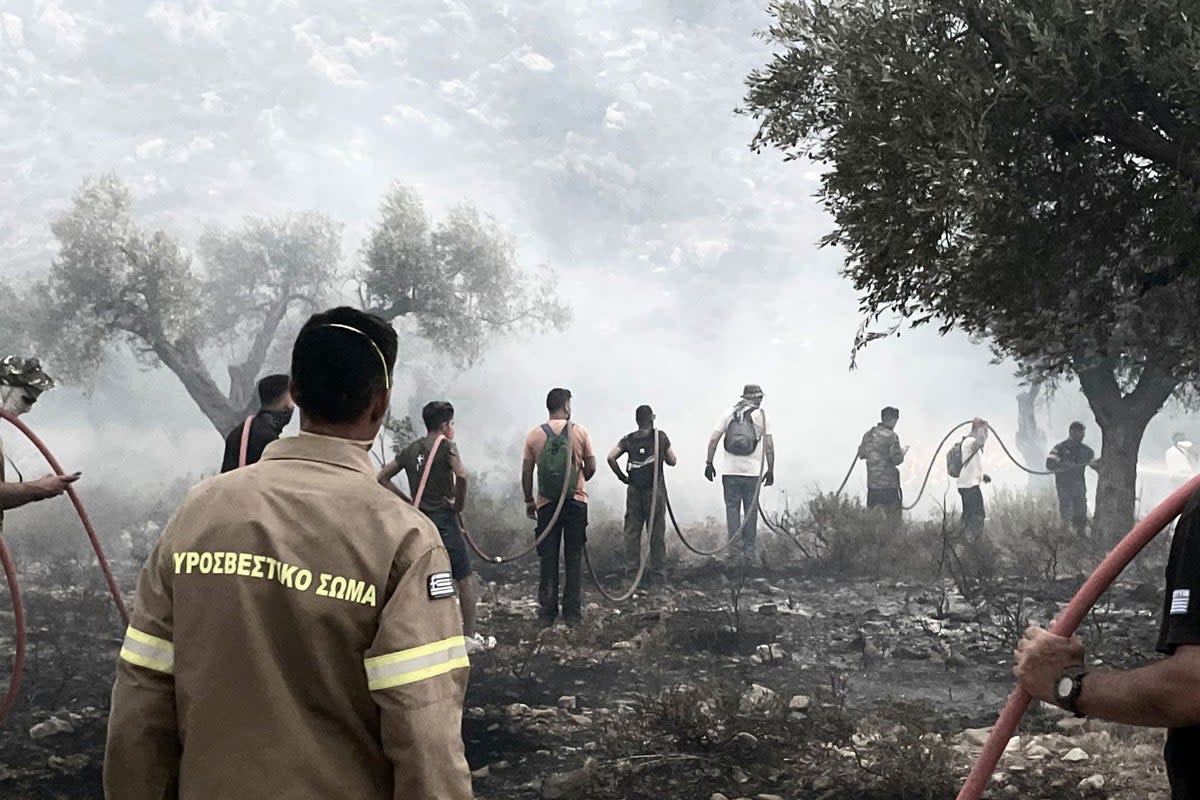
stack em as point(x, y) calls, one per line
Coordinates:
point(750, 684)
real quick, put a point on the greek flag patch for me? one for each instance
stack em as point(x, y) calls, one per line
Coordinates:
point(441, 585)
point(1180, 600)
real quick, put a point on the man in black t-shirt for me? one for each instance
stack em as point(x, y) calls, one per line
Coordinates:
point(639, 496)
point(1164, 694)
point(442, 500)
point(1067, 460)
point(275, 412)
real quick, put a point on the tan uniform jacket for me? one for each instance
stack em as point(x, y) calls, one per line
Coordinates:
point(295, 635)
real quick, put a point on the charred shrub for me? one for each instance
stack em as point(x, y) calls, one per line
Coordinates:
point(698, 716)
point(902, 760)
point(839, 536)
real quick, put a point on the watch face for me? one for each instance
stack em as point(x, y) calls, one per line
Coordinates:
point(1063, 688)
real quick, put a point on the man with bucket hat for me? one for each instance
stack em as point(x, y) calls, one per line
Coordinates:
point(748, 462)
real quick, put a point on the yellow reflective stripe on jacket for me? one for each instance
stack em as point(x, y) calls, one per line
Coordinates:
point(148, 651)
point(416, 664)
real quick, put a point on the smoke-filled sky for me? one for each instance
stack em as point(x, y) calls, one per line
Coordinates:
point(601, 135)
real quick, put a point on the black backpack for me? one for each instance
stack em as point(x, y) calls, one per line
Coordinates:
point(741, 435)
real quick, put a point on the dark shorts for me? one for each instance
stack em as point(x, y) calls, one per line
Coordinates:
point(455, 543)
point(883, 498)
point(972, 503)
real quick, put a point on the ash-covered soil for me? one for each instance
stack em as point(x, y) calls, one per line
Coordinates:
point(755, 684)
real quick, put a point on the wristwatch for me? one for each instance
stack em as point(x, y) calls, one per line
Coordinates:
point(1067, 689)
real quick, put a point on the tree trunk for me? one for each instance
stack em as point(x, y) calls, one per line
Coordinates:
point(184, 360)
point(1030, 439)
point(1122, 419)
point(1116, 487)
point(243, 377)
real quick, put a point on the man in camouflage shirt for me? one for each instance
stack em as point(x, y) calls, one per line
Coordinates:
point(881, 449)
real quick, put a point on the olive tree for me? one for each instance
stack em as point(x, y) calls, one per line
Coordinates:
point(113, 284)
point(1021, 170)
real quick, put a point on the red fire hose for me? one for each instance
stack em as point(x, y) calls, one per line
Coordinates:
point(1111, 567)
point(14, 591)
point(10, 571)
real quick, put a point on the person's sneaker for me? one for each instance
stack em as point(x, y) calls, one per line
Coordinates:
point(479, 644)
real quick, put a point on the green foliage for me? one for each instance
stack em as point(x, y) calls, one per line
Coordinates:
point(1025, 171)
point(18, 321)
point(1022, 170)
point(265, 266)
point(114, 284)
point(459, 277)
point(113, 281)
point(402, 432)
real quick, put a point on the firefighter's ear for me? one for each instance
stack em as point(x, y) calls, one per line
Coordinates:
point(379, 406)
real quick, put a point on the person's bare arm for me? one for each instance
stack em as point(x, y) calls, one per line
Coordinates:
point(15, 495)
point(391, 470)
point(669, 459)
point(1165, 694)
point(460, 483)
point(585, 452)
point(527, 487)
point(615, 465)
point(713, 441)
point(769, 443)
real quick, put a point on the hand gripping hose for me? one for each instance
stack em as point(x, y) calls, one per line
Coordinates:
point(1111, 567)
point(11, 574)
point(645, 542)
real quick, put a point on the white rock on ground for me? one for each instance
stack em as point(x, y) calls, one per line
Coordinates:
point(756, 697)
point(50, 727)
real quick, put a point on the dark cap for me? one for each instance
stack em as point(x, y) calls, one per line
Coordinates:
point(752, 390)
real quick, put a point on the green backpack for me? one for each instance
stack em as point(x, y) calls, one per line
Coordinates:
point(555, 467)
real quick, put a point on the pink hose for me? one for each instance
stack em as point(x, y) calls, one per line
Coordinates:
point(1108, 571)
point(113, 589)
point(18, 668)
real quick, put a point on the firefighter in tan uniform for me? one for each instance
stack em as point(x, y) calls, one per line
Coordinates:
point(296, 633)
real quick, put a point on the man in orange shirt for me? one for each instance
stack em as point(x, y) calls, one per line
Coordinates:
point(562, 452)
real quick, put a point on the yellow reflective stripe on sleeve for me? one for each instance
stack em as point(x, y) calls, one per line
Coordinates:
point(416, 664)
point(148, 651)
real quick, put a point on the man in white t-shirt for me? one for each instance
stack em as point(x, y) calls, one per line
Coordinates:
point(972, 475)
point(749, 456)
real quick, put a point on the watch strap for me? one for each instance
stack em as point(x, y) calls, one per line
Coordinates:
point(1070, 702)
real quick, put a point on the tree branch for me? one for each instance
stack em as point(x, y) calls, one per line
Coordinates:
point(400, 307)
point(1122, 130)
point(183, 358)
point(1154, 387)
point(983, 27)
point(1150, 144)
